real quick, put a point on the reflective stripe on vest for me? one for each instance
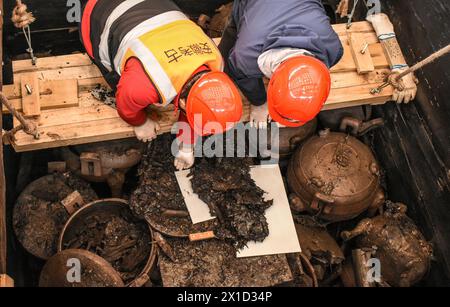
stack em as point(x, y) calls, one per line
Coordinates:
point(115, 14)
point(170, 47)
point(142, 28)
point(159, 76)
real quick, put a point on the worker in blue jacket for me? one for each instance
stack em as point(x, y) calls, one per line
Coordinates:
point(279, 39)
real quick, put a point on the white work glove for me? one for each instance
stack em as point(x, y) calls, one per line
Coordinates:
point(147, 131)
point(407, 88)
point(184, 158)
point(259, 116)
point(382, 25)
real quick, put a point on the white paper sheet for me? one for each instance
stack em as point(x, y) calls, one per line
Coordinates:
point(198, 210)
point(282, 237)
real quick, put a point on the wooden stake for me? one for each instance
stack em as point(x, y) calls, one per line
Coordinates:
point(73, 202)
point(360, 52)
point(201, 236)
point(6, 281)
point(2, 171)
point(29, 87)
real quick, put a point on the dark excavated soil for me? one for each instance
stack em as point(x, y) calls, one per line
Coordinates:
point(121, 240)
point(158, 191)
point(105, 95)
point(213, 263)
point(224, 184)
point(233, 197)
point(38, 214)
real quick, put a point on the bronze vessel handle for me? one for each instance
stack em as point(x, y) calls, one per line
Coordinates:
point(358, 127)
point(326, 199)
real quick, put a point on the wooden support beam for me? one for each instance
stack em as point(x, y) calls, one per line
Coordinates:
point(53, 94)
point(360, 52)
point(6, 281)
point(53, 62)
point(101, 123)
point(29, 88)
point(92, 121)
point(359, 26)
point(77, 72)
point(347, 63)
point(3, 234)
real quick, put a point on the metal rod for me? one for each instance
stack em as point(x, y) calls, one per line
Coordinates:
point(425, 62)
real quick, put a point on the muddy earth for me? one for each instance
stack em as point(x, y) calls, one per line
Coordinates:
point(39, 216)
point(226, 186)
point(119, 239)
point(213, 263)
point(105, 95)
point(158, 198)
point(95, 271)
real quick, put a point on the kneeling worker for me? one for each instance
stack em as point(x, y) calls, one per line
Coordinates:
point(292, 43)
point(150, 53)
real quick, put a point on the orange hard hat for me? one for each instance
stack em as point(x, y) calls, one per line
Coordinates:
point(214, 104)
point(297, 90)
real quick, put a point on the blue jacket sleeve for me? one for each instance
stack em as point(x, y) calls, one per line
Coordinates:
point(252, 87)
point(325, 46)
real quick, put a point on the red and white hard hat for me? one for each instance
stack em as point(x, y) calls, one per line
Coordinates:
point(298, 90)
point(214, 104)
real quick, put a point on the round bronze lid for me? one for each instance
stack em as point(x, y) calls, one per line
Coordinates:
point(94, 271)
point(337, 165)
point(38, 214)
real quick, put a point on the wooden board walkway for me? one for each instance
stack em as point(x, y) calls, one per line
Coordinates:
point(67, 114)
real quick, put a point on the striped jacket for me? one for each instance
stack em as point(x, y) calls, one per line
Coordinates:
point(169, 45)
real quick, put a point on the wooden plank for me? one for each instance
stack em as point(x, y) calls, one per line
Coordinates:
point(59, 117)
point(92, 121)
point(339, 78)
point(78, 72)
point(357, 95)
point(3, 233)
point(352, 78)
point(59, 93)
point(6, 281)
point(370, 37)
point(85, 85)
point(359, 26)
point(348, 64)
point(29, 86)
point(104, 129)
point(348, 104)
point(53, 94)
point(360, 52)
point(85, 99)
point(85, 132)
point(53, 62)
point(74, 134)
point(100, 123)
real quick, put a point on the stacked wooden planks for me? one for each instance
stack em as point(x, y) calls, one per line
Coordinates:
point(69, 115)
